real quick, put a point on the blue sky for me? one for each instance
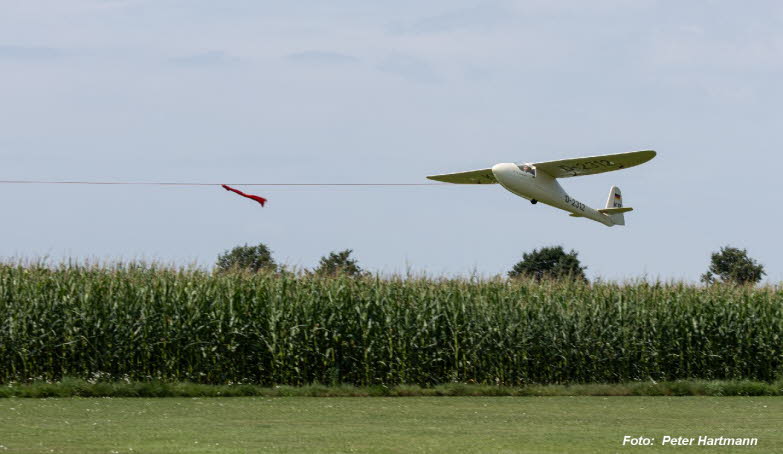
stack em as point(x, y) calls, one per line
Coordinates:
point(355, 91)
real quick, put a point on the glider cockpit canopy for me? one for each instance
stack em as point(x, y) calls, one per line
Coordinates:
point(527, 168)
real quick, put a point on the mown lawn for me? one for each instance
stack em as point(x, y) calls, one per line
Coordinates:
point(383, 425)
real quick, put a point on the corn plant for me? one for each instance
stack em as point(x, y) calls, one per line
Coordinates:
point(143, 322)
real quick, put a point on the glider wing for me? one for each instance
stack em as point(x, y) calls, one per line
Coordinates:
point(483, 176)
point(594, 164)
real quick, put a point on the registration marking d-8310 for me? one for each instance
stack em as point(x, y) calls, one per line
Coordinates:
point(574, 203)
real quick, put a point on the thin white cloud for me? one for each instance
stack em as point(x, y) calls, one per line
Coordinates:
point(694, 47)
point(484, 16)
point(209, 58)
point(315, 57)
point(29, 53)
point(409, 67)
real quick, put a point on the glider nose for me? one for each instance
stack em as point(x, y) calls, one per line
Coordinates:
point(504, 171)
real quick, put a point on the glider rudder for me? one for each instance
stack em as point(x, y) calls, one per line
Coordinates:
point(615, 201)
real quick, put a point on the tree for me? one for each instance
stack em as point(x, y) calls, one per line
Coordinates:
point(249, 258)
point(339, 263)
point(549, 263)
point(733, 266)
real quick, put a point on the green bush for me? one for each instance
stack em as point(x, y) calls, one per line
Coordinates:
point(339, 263)
point(247, 258)
point(549, 263)
point(733, 266)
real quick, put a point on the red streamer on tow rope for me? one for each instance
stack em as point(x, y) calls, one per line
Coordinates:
point(258, 199)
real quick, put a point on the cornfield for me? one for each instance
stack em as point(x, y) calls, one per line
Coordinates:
point(140, 322)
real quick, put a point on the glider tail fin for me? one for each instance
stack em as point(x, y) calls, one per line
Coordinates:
point(615, 201)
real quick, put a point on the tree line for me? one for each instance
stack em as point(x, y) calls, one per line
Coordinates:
point(259, 258)
point(729, 265)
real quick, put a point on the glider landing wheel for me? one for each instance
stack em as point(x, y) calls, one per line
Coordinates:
point(533, 201)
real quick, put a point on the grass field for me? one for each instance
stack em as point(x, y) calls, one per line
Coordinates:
point(383, 425)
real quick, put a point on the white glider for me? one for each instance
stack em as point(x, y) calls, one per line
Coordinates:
point(537, 182)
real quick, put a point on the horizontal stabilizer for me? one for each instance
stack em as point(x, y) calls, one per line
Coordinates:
point(615, 210)
point(483, 176)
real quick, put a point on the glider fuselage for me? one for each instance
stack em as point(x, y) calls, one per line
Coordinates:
point(542, 187)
